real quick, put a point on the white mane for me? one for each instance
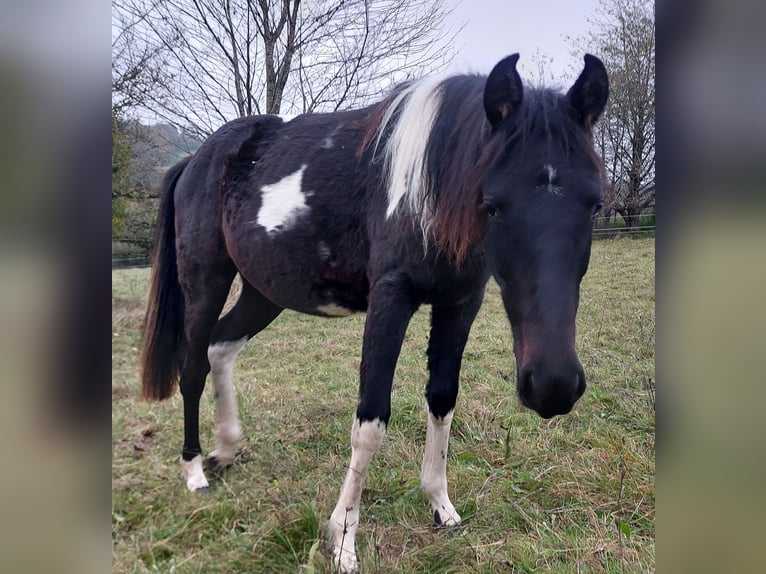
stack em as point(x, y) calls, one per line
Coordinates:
point(405, 150)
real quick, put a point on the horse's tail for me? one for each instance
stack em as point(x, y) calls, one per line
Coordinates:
point(164, 320)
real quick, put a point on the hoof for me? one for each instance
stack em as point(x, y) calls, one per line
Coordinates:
point(347, 564)
point(195, 477)
point(204, 490)
point(446, 519)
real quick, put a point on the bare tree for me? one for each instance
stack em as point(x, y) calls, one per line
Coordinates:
point(229, 58)
point(539, 69)
point(137, 66)
point(623, 36)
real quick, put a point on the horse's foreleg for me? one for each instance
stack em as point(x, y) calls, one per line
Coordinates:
point(390, 308)
point(366, 438)
point(433, 475)
point(449, 333)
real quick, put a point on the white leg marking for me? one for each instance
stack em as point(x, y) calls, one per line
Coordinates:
point(193, 473)
point(433, 475)
point(282, 202)
point(406, 147)
point(334, 310)
point(222, 357)
point(366, 438)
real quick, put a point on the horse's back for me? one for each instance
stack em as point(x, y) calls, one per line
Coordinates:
point(209, 163)
point(198, 205)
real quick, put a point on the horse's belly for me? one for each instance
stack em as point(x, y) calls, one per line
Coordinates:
point(302, 272)
point(316, 297)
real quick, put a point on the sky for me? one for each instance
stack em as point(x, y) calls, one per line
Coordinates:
point(497, 28)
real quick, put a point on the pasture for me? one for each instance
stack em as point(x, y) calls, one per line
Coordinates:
point(572, 494)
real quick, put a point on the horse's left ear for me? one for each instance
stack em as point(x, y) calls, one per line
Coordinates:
point(587, 98)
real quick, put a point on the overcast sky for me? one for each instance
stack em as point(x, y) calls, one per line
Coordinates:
point(497, 28)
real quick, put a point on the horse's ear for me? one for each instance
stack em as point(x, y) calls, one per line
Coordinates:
point(503, 91)
point(588, 96)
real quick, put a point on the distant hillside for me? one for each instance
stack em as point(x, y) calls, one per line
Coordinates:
point(155, 148)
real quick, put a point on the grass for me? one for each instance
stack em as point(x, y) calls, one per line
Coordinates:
point(573, 494)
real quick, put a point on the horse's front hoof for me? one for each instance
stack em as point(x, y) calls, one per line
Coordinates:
point(446, 518)
point(346, 564)
point(343, 562)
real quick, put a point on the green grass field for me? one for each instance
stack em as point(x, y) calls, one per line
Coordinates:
point(573, 494)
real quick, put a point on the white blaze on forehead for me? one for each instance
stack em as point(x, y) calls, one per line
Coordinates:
point(405, 150)
point(551, 171)
point(552, 186)
point(282, 202)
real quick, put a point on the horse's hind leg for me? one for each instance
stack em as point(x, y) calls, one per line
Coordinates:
point(204, 297)
point(252, 313)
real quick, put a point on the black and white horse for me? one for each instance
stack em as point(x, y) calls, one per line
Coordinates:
point(418, 199)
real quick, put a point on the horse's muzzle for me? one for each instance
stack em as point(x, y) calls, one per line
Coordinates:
point(550, 393)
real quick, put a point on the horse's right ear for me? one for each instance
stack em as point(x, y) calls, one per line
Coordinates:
point(503, 91)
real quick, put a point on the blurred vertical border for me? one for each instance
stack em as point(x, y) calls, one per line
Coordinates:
point(55, 184)
point(711, 291)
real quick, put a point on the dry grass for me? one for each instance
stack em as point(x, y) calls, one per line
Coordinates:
point(574, 494)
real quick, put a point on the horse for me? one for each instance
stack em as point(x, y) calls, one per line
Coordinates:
point(417, 199)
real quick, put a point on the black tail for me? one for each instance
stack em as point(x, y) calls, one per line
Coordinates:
point(164, 321)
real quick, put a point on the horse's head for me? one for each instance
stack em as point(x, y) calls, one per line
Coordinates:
point(540, 196)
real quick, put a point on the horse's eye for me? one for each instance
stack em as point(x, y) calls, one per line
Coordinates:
point(489, 209)
point(597, 208)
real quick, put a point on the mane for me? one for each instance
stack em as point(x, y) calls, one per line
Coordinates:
point(429, 134)
point(437, 148)
point(544, 114)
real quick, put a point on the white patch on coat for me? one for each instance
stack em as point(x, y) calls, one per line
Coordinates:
point(329, 140)
point(433, 475)
point(334, 310)
point(366, 438)
point(228, 432)
point(282, 202)
point(405, 150)
point(193, 473)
